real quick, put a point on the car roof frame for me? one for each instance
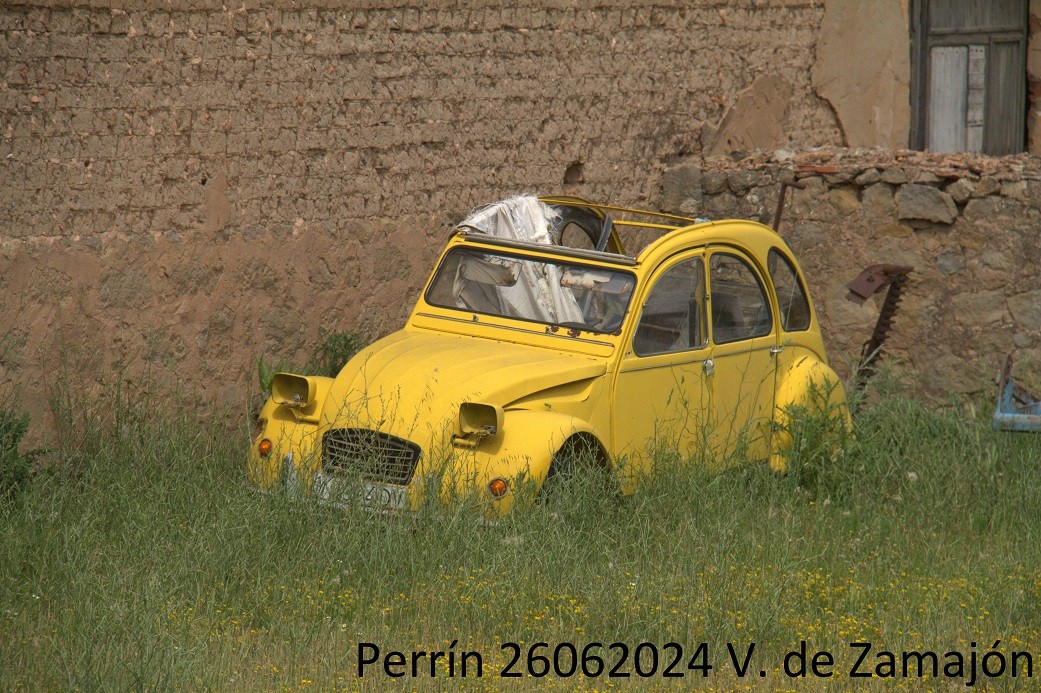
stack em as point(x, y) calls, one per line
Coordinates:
point(472, 235)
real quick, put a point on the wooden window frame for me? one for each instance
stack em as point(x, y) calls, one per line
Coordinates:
point(923, 40)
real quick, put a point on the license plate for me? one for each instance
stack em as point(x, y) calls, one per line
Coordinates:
point(366, 494)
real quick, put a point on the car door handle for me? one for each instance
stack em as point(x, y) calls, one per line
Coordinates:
point(775, 350)
point(709, 367)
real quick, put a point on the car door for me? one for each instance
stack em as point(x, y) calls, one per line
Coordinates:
point(740, 376)
point(659, 396)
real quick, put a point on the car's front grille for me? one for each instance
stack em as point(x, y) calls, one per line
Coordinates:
point(371, 455)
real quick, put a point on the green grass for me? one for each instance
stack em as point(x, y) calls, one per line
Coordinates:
point(144, 560)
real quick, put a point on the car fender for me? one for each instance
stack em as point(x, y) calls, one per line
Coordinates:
point(521, 453)
point(812, 384)
point(292, 431)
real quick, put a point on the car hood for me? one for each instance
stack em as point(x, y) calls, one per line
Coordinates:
point(411, 383)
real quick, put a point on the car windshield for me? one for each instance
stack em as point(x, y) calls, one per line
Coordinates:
point(535, 289)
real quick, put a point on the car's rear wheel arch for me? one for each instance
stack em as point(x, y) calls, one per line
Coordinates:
point(810, 385)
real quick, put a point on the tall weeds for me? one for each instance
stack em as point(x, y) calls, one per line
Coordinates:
point(150, 562)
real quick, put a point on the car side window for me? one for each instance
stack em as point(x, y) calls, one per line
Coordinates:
point(791, 298)
point(740, 309)
point(673, 317)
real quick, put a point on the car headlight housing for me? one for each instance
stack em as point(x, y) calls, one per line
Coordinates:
point(477, 421)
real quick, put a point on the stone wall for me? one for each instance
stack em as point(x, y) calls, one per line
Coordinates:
point(970, 226)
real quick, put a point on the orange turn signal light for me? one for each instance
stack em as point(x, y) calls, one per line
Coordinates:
point(264, 447)
point(498, 488)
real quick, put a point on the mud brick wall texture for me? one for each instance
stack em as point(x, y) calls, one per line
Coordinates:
point(131, 123)
point(186, 188)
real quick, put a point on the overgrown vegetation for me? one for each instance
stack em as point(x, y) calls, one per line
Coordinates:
point(16, 465)
point(158, 566)
point(814, 438)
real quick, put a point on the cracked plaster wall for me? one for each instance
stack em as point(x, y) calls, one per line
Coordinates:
point(863, 70)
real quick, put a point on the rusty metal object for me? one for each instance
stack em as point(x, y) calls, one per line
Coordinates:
point(870, 282)
point(1018, 409)
point(780, 200)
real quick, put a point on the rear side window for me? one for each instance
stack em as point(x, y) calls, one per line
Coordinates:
point(740, 309)
point(791, 298)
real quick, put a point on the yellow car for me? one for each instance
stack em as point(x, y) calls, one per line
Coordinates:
point(539, 340)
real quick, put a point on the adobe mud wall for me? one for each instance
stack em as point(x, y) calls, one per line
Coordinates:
point(184, 187)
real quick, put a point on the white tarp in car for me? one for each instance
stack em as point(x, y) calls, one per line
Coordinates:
point(537, 294)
